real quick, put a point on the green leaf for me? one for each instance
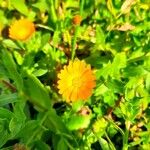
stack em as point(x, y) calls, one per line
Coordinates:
point(5, 113)
point(113, 69)
point(18, 120)
point(126, 6)
point(115, 86)
point(28, 132)
point(134, 70)
point(20, 6)
point(99, 126)
point(3, 19)
point(131, 110)
point(9, 43)
point(8, 98)
point(4, 132)
point(98, 60)
point(12, 69)
point(61, 144)
point(111, 7)
point(5, 117)
point(52, 11)
point(120, 60)
point(36, 92)
point(104, 144)
point(100, 38)
point(15, 126)
point(34, 44)
point(3, 71)
point(55, 124)
point(110, 98)
point(45, 39)
point(39, 145)
point(18, 57)
point(148, 82)
point(78, 122)
point(105, 71)
point(56, 38)
point(118, 63)
point(40, 72)
point(41, 5)
point(100, 90)
point(76, 106)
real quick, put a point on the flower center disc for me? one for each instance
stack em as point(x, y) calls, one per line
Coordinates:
point(76, 82)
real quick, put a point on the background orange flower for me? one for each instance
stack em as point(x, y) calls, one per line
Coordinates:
point(76, 81)
point(21, 29)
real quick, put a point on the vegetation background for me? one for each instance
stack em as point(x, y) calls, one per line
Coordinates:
point(113, 36)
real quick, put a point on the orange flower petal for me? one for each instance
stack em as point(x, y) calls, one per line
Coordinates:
point(21, 29)
point(76, 81)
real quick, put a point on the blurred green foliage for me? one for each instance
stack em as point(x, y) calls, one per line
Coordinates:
point(114, 38)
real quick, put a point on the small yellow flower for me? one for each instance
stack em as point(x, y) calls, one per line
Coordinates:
point(76, 81)
point(100, 125)
point(21, 29)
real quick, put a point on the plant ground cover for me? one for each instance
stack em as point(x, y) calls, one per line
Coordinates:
point(74, 75)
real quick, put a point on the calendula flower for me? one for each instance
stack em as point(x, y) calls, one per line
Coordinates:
point(76, 81)
point(21, 29)
point(77, 20)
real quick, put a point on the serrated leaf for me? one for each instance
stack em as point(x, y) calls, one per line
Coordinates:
point(100, 90)
point(133, 71)
point(115, 86)
point(119, 60)
point(110, 98)
point(118, 63)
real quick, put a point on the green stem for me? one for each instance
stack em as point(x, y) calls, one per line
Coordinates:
point(52, 11)
point(126, 135)
point(116, 126)
point(73, 49)
point(82, 7)
point(110, 142)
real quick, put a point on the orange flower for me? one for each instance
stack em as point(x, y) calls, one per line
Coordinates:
point(21, 29)
point(77, 20)
point(76, 81)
